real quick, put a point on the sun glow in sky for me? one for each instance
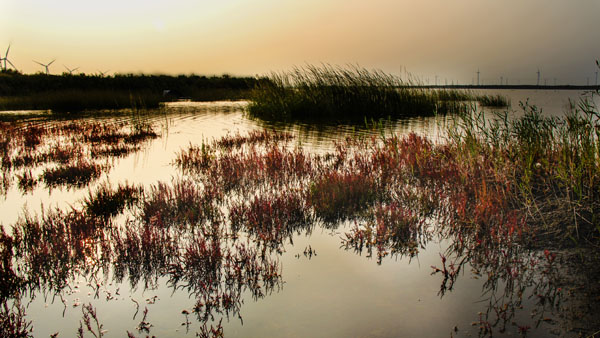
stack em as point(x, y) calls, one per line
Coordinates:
point(449, 40)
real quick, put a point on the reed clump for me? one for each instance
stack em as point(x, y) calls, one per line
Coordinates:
point(497, 101)
point(337, 93)
point(106, 202)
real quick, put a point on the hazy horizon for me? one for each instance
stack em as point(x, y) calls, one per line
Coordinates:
point(450, 41)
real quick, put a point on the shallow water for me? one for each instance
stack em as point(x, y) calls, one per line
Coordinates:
point(335, 293)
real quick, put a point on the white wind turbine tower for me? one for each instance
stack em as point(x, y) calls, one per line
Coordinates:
point(71, 70)
point(5, 59)
point(45, 65)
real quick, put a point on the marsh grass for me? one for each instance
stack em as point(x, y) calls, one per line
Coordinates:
point(351, 93)
point(107, 202)
point(78, 174)
point(495, 188)
point(497, 101)
point(336, 196)
point(75, 93)
point(13, 323)
point(551, 164)
point(75, 147)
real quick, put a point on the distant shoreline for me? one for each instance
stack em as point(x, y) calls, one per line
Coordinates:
point(536, 87)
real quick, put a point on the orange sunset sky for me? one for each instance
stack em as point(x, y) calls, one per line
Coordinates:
point(447, 39)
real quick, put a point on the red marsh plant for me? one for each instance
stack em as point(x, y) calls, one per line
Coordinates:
point(100, 151)
point(548, 166)
point(392, 230)
point(49, 247)
point(26, 181)
point(182, 204)
point(253, 138)
point(337, 195)
point(10, 282)
point(195, 158)
point(12, 321)
point(106, 202)
point(142, 252)
point(91, 322)
point(242, 170)
point(73, 145)
point(32, 136)
point(271, 218)
point(78, 174)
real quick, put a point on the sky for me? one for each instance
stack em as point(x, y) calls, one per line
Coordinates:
point(446, 41)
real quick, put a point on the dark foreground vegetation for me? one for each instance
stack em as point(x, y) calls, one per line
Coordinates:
point(515, 197)
point(68, 92)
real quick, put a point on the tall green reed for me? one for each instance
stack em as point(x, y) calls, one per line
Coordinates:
point(553, 163)
point(345, 93)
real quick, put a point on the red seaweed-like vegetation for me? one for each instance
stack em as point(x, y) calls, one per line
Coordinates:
point(77, 148)
point(507, 195)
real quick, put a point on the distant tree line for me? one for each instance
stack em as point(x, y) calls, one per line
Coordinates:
point(17, 84)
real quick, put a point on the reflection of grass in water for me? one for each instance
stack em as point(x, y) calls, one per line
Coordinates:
point(328, 92)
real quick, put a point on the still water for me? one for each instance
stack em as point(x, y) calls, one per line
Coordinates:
point(332, 293)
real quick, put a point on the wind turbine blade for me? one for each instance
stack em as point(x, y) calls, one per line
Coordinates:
point(39, 63)
point(7, 49)
point(74, 69)
point(11, 64)
point(51, 62)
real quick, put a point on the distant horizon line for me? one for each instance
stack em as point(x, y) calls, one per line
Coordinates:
point(225, 74)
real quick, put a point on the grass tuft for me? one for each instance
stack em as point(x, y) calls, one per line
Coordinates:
point(337, 93)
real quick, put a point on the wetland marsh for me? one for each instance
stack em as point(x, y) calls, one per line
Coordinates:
point(195, 220)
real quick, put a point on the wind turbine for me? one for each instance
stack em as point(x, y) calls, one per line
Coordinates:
point(103, 73)
point(71, 70)
point(5, 59)
point(45, 65)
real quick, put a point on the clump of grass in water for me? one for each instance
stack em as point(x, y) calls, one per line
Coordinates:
point(106, 202)
point(493, 101)
point(328, 92)
point(78, 174)
point(26, 181)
